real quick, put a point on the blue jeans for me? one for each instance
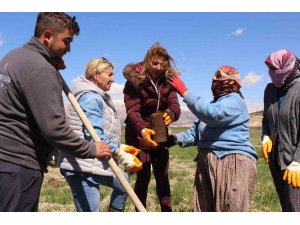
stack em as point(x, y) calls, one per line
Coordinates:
point(85, 190)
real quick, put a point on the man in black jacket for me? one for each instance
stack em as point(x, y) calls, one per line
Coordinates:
point(32, 118)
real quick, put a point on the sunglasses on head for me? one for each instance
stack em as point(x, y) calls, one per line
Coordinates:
point(104, 59)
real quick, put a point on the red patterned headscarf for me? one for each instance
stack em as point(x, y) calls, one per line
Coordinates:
point(225, 81)
point(281, 64)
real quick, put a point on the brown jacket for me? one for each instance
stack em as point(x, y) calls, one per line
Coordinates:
point(141, 100)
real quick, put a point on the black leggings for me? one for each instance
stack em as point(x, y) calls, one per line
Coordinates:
point(159, 158)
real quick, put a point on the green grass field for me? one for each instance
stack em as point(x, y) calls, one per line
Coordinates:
point(56, 194)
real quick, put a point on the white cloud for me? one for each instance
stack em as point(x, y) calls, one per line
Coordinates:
point(251, 79)
point(237, 32)
point(116, 91)
point(1, 40)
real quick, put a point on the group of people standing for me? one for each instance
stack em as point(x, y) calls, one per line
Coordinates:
point(34, 120)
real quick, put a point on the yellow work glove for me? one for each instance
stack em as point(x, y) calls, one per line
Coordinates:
point(292, 174)
point(146, 133)
point(168, 117)
point(133, 151)
point(127, 158)
point(266, 147)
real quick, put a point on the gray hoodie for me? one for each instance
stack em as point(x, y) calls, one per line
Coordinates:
point(32, 118)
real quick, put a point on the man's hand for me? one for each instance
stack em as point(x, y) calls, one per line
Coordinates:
point(103, 149)
point(126, 156)
point(146, 133)
point(168, 117)
point(292, 174)
point(177, 84)
point(266, 147)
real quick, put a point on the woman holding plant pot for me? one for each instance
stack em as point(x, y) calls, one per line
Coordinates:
point(149, 99)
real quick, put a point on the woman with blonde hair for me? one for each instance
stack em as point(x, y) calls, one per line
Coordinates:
point(85, 175)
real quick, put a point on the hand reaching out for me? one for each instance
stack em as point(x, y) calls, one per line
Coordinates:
point(177, 84)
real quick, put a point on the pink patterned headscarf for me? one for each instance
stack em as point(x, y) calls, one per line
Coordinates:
point(281, 63)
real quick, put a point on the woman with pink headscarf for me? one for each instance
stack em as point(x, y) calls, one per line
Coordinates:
point(281, 127)
point(226, 163)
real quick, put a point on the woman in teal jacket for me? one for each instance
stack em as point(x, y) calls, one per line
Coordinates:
point(226, 162)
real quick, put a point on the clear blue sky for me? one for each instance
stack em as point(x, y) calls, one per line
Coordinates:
point(199, 42)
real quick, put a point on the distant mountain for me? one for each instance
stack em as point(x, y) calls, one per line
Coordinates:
point(187, 118)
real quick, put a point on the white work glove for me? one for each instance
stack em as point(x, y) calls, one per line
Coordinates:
point(292, 174)
point(127, 158)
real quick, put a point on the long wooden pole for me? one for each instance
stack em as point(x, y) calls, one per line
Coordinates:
point(140, 207)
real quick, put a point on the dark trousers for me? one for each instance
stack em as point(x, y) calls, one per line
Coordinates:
point(159, 158)
point(289, 196)
point(19, 188)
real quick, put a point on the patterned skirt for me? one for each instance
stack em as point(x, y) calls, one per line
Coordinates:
point(224, 184)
